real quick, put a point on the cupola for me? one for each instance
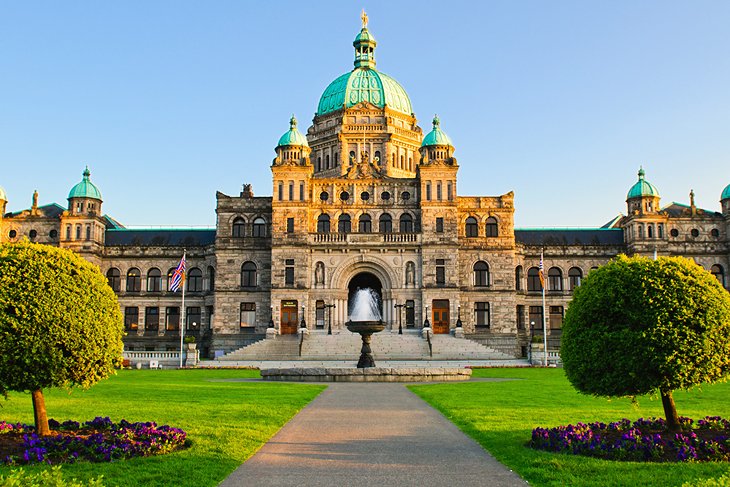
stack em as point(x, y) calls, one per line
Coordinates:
point(643, 197)
point(85, 197)
point(725, 200)
point(293, 147)
point(437, 146)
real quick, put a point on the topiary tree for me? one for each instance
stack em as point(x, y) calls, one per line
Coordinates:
point(60, 323)
point(639, 326)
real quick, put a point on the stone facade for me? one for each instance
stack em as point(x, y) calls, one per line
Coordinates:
point(365, 199)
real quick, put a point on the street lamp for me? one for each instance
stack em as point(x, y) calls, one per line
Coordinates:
point(271, 321)
point(426, 324)
point(304, 323)
point(329, 317)
point(400, 326)
point(458, 316)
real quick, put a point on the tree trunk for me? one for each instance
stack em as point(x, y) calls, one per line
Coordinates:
point(39, 413)
point(670, 411)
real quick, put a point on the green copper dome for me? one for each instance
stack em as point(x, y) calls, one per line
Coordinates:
point(642, 188)
point(725, 193)
point(293, 136)
point(364, 83)
point(85, 189)
point(436, 136)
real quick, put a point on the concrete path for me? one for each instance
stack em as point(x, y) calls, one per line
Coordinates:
point(371, 434)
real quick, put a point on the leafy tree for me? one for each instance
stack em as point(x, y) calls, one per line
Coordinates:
point(638, 326)
point(60, 323)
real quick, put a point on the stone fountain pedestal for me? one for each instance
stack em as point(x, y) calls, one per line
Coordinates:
point(366, 330)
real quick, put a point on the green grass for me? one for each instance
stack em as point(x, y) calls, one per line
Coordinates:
point(227, 422)
point(501, 415)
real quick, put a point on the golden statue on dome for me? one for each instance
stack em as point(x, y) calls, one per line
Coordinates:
point(364, 18)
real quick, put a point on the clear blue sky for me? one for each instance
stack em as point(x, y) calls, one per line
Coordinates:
point(560, 101)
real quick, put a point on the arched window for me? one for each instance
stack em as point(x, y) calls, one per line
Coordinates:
point(406, 223)
point(248, 274)
point(481, 274)
point(327, 161)
point(78, 232)
point(319, 163)
point(352, 157)
point(114, 278)
point(492, 227)
point(472, 228)
point(344, 223)
point(259, 227)
point(323, 223)
point(518, 278)
point(211, 278)
point(574, 277)
point(170, 273)
point(154, 280)
point(239, 227)
point(650, 231)
point(134, 280)
point(88, 232)
point(386, 223)
point(719, 273)
point(195, 280)
point(365, 225)
point(68, 232)
point(555, 279)
point(533, 279)
point(377, 156)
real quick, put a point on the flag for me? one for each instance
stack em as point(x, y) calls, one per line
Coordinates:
point(178, 277)
point(541, 272)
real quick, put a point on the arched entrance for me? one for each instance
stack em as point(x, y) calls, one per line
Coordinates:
point(364, 280)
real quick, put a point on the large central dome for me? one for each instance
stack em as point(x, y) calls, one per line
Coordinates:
point(364, 83)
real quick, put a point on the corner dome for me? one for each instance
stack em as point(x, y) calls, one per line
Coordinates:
point(436, 136)
point(642, 188)
point(725, 193)
point(85, 189)
point(293, 136)
point(364, 83)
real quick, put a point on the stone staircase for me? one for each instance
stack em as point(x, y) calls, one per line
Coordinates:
point(319, 346)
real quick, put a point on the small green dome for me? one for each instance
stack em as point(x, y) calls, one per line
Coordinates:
point(436, 136)
point(3, 194)
point(293, 136)
point(642, 188)
point(85, 189)
point(725, 193)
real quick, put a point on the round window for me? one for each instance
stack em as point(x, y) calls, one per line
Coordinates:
point(53, 234)
point(695, 233)
point(32, 234)
point(365, 196)
point(344, 196)
point(12, 234)
point(385, 195)
point(674, 232)
point(324, 195)
point(715, 232)
point(405, 195)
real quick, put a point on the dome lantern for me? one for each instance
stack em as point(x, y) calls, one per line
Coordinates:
point(293, 137)
point(85, 189)
point(642, 188)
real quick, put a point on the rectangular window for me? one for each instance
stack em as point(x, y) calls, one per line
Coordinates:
point(131, 318)
point(410, 313)
point(520, 317)
point(152, 318)
point(281, 191)
point(290, 225)
point(660, 230)
point(536, 319)
point(248, 315)
point(301, 191)
point(556, 317)
point(289, 272)
point(449, 191)
point(440, 272)
point(193, 318)
point(172, 318)
point(319, 316)
point(481, 310)
point(438, 191)
point(291, 191)
point(439, 225)
point(428, 191)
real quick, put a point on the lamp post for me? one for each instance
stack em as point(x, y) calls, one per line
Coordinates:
point(271, 321)
point(532, 331)
point(400, 326)
point(304, 323)
point(329, 317)
point(426, 323)
point(458, 316)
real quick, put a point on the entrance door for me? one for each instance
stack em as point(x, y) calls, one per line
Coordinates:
point(440, 315)
point(289, 318)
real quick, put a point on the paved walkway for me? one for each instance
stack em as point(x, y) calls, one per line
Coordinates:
point(375, 434)
point(276, 364)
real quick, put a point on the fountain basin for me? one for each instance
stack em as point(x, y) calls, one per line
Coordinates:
point(368, 374)
point(368, 327)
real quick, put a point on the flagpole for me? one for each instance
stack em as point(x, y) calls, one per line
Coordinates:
point(182, 325)
point(544, 317)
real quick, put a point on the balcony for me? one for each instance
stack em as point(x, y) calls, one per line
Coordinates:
point(375, 239)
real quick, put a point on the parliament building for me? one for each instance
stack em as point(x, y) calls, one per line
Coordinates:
point(364, 198)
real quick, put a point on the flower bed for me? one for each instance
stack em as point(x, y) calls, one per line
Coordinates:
point(99, 440)
point(643, 440)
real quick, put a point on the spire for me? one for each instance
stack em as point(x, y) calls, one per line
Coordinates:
point(86, 173)
point(364, 45)
point(293, 122)
point(436, 122)
point(641, 172)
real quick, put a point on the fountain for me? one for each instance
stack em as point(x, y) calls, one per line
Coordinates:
point(365, 319)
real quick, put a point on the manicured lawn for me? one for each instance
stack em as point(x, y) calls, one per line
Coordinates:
point(501, 415)
point(227, 422)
